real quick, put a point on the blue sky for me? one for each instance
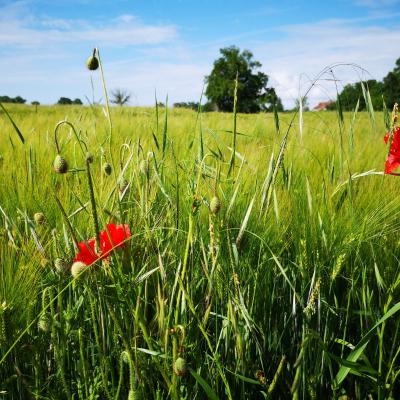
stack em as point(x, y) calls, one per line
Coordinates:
point(169, 46)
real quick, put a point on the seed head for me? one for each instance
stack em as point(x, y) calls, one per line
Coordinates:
point(122, 184)
point(107, 169)
point(92, 63)
point(77, 268)
point(215, 205)
point(60, 265)
point(39, 218)
point(180, 367)
point(89, 158)
point(131, 395)
point(44, 323)
point(144, 167)
point(60, 165)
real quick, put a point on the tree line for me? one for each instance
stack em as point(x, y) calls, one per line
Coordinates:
point(236, 81)
point(382, 92)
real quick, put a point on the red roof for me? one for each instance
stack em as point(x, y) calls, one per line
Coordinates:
point(323, 105)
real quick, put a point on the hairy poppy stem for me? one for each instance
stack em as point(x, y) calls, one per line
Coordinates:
point(94, 210)
point(66, 220)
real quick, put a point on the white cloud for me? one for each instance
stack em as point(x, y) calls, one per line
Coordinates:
point(17, 28)
point(306, 49)
point(46, 56)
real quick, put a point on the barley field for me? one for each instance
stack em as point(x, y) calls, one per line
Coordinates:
point(230, 256)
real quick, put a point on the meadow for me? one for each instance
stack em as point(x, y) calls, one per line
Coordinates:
point(262, 260)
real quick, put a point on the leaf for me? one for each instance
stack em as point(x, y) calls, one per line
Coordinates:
point(362, 344)
point(245, 222)
point(13, 124)
point(207, 388)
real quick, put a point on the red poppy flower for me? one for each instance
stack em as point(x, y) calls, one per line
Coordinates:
point(111, 238)
point(393, 160)
point(86, 254)
point(114, 236)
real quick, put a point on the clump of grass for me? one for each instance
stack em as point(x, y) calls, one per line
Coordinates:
point(260, 266)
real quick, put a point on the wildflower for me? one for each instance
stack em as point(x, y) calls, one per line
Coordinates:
point(112, 237)
point(87, 254)
point(393, 160)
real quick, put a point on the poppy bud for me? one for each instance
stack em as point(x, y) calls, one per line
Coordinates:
point(60, 265)
point(89, 158)
point(44, 323)
point(180, 367)
point(215, 205)
point(107, 169)
point(77, 268)
point(122, 184)
point(92, 63)
point(60, 165)
point(39, 218)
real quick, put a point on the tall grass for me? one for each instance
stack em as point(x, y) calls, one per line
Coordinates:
point(291, 290)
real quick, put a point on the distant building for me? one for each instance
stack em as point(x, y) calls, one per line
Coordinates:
point(323, 106)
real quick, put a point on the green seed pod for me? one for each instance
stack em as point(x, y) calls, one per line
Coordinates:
point(92, 63)
point(107, 169)
point(215, 205)
point(44, 323)
point(78, 268)
point(122, 184)
point(180, 367)
point(39, 218)
point(60, 165)
point(60, 265)
point(89, 158)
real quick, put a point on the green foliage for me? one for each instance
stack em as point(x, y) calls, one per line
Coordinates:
point(191, 105)
point(391, 86)
point(253, 95)
point(352, 93)
point(68, 101)
point(387, 90)
point(15, 100)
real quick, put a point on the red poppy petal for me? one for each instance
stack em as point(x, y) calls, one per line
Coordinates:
point(386, 138)
point(113, 237)
point(393, 160)
point(86, 253)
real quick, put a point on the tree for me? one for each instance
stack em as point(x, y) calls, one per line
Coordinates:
point(35, 103)
point(64, 101)
point(252, 93)
point(68, 101)
point(352, 93)
point(391, 86)
point(190, 104)
point(15, 100)
point(120, 96)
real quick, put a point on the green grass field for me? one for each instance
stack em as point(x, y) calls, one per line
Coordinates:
point(290, 290)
